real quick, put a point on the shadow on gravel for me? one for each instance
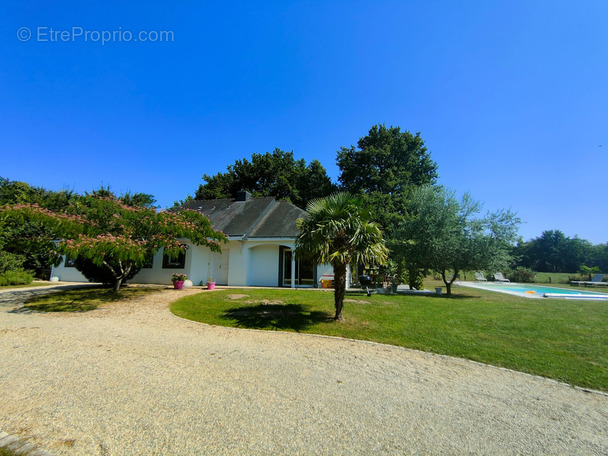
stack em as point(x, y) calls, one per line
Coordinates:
point(293, 317)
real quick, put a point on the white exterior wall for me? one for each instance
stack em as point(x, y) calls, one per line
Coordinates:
point(251, 263)
point(67, 274)
point(264, 266)
point(237, 272)
point(156, 274)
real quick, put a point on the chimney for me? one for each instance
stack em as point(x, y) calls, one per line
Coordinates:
point(242, 195)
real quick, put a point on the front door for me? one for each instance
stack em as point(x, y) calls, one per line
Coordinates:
point(221, 262)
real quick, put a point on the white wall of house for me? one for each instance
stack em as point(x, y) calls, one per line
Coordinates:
point(242, 263)
point(263, 266)
point(67, 274)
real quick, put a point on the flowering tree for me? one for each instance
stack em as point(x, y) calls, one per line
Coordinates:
point(116, 236)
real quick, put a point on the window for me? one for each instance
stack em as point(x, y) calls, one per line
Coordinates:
point(69, 262)
point(178, 262)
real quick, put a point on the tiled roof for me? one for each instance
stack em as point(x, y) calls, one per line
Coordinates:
point(253, 218)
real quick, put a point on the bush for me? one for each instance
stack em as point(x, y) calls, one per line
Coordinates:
point(16, 277)
point(10, 262)
point(578, 278)
point(521, 275)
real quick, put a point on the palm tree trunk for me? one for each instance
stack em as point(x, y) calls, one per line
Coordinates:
point(340, 289)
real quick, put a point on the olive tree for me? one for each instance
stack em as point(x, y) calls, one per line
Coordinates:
point(445, 235)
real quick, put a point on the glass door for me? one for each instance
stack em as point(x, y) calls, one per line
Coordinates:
point(304, 273)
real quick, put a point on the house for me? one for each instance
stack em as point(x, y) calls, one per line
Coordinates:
point(260, 250)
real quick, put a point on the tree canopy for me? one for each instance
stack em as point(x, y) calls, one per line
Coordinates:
point(387, 165)
point(553, 251)
point(339, 231)
point(388, 161)
point(276, 174)
point(29, 240)
point(116, 236)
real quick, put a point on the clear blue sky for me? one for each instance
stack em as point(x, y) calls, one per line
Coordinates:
point(511, 97)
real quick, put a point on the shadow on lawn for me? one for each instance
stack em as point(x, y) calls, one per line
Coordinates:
point(414, 295)
point(81, 300)
point(276, 316)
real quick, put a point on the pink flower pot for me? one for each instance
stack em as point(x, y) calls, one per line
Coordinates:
point(210, 285)
point(178, 285)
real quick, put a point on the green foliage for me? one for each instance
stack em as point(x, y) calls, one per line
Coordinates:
point(338, 231)
point(30, 239)
point(129, 199)
point(275, 174)
point(10, 261)
point(385, 168)
point(115, 237)
point(447, 236)
point(521, 275)
point(388, 161)
point(553, 251)
point(16, 277)
point(586, 270)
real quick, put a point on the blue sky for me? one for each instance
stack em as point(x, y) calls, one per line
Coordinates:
point(511, 97)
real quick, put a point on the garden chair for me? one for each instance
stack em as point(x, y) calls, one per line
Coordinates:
point(596, 280)
point(498, 277)
point(479, 277)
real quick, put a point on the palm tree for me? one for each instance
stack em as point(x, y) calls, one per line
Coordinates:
point(338, 231)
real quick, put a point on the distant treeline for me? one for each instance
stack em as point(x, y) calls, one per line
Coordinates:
point(555, 252)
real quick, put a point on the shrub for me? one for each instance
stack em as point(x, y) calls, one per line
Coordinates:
point(16, 277)
point(521, 275)
point(10, 262)
point(578, 278)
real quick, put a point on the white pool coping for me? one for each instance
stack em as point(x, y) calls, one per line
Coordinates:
point(575, 295)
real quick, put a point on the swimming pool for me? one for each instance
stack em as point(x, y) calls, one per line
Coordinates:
point(535, 291)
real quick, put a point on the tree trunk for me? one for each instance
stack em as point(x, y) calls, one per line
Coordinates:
point(448, 283)
point(339, 290)
point(117, 284)
point(118, 278)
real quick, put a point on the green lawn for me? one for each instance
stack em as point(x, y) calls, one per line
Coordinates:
point(84, 299)
point(33, 284)
point(564, 340)
point(554, 277)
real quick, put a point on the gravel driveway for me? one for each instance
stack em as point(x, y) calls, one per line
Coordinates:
point(132, 379)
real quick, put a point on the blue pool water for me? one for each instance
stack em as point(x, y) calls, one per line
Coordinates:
point(536, 291)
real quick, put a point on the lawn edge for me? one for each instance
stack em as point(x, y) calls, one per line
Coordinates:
point(381, 344)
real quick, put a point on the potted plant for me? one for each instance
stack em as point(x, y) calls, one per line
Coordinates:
point(178, 279)
point(210, 283)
